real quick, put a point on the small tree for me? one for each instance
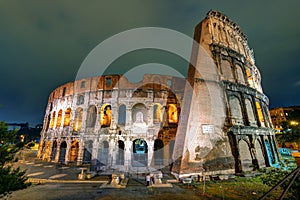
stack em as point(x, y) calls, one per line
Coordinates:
point(10, 178)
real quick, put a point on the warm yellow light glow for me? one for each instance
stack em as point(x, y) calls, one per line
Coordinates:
point(259, 112)
point(78, 119)
point(59, 118)
point(105, 118)
point(67, 117)
point(173, 113)
point(294, 123)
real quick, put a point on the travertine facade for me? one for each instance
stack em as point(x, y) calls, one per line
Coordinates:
point(225, 124)
point(111, 123)
point(221, 113)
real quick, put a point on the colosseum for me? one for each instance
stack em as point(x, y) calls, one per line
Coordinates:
point(215, 121)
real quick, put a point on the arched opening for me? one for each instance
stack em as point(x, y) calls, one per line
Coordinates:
point(140, 153)
point(227, 70)
point(103, 152)
point(67, 117)
point(250, 78)
point(62, 155)
point(78, 119)
point(158, 152)
point(74, 150)
point(80, 100)
point(246, 159)
point(120, 154)
point(52, 120)
point(59, 118)
point(250, 112)
point(240, 74)
point(91, 117)
point(260, 113)
point(54, 149)
point(122, 115)
point(259, 154)
point(87, 152)
point(235, 110)
point(139, 113)
point(48, 122)
point(157, 113)
point(172, 113)
point(105, 115)
point(269, 153)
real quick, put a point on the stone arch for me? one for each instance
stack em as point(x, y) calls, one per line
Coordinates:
point(260, 113)
point(103, 153)
point(250, 112)
point(106, 115)
point(227, 70)
point(62, 154)
point(120, 153)
point(78, 119)
point(87, 152)
point(80, 99)
point(271, 158)
point(91, 116)
point(250, 77)
point(74, 150)
point(172, 113)
point(67, 117)
point(52, 120)
point(245, 155)
point(59, 118)
point(259, 153)
point(54, 150)
point(140, 153)
point(235, 110)
point(139, 113)
point(158, 152)
point(48, 122)
point(122, 115)
point(240, 74)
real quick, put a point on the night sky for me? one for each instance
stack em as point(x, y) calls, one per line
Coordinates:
point(43, 43)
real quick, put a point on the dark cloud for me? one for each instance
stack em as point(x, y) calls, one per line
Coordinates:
point(42, 44)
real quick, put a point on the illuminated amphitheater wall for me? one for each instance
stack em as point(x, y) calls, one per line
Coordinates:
point(111, 123)
point(216, 122)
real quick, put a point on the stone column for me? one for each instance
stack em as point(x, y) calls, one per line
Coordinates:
point(150, 144)
point(80, 152)
point(68, 151)
point(57, 151)
point(50, 151)
point(127, 156)
point(111, 157)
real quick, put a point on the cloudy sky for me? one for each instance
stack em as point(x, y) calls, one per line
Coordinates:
point(43, 43)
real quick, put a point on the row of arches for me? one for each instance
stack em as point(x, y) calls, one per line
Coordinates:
point(244, 112)
point(243, 75)
point(139, 114)
point(139, 154)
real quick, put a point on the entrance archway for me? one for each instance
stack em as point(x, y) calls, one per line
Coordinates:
point(87, 153)
point(62, 155)
point(74, 150)
point(140, 153)
point(54, 148)
point(158, 152)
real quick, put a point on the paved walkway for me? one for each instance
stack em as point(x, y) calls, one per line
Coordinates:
point(62, 183)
